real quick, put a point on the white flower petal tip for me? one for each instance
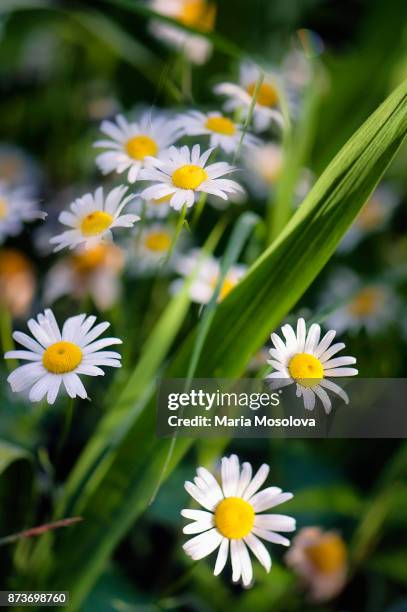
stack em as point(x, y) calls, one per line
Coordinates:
point(304, 358)
point(92, 218)
point(233, 522)
point(58, 358)
point(181, 175)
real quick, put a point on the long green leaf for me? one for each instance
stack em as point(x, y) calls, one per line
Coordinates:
point(240, 326)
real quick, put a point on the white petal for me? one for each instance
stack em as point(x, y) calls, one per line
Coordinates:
point(203, 544)
point(222, 557)
point(275, 522)
point(257, 481)
point(270, 536)
point(259, 551)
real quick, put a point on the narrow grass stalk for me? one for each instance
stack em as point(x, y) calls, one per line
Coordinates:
point(6, 335)
point(200, 205)
point(249, 116)
point(181, 221)
point(38, 531)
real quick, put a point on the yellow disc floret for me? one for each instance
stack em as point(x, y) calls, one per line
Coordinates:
point(62, 357)
point(88, 260)
point(96, 223)
point(13, 263)
point(197, 14)
point(329, 555)
point(139, 147)
point(3, 208)
point(234, 518)
point(221, 125)
point(189, 176)
point(267, 95)
point(304, 368)
point(165, 198)
point(158, 241)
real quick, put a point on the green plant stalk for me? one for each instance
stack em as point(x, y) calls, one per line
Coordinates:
point(6, 335)
point(297, 141)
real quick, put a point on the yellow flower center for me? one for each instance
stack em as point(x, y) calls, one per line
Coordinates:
point(3, 208)
point(221, 125)
point(227, 286)
point(267, 95)
point(329, 555)
point(165, 198)
point(62, 357)
point(234, 518)
point(198, 14)
point(87, 260)
point(140, 146)
point(304, 367)
point(12, 263)
point(158, 241)
point(367, 302)
point(96, 223)
point(189, 176)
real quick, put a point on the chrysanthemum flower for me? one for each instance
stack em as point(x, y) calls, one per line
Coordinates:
point(267, 107)
point(16, 208)
point(320, 559)
point(197, 14)
point(232, 521)
point(94, 272)
point(306, 360)
point(131, 143)
point(183, 175)
point(223, 132)
point(371, 306)
point(60, 357)
point(208, 274)
point(93, 217)
point(17, 282)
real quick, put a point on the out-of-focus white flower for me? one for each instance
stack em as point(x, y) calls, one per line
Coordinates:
point(17, 282)
point(17, 169)
point(16, 208)
point(371, 305)
point(223, 132)
point(131, 143)
point(306, 360)
point(268, 102)
point(232, 521)
point(373, 217)
point(94, 272)
point(207, 279)
point(147, 252)
point(57, 357)
point(265, 164)
point(320, 559)
point(183, 175)
point(93, 217)
point(197, 14)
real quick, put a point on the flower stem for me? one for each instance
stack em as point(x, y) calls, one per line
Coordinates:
point(6, 330)
point(180, 223)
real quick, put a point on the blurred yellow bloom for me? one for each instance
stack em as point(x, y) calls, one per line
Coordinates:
point(17, 282)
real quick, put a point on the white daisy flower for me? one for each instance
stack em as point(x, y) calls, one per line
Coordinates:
point(16, 208)
point(91, 272)
point(93, 217)
point(267, 107)
point(130, 143)
point(147, 252)
point(373, 217)
point(60, 357)
point(17, 168)
point(306, 360)
point(202, 288)
point(371, 306)
point(223, 132)
point(197, 14)
point(320, 559)
point(264, 164)
point(231, 521)
point(183, 175)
